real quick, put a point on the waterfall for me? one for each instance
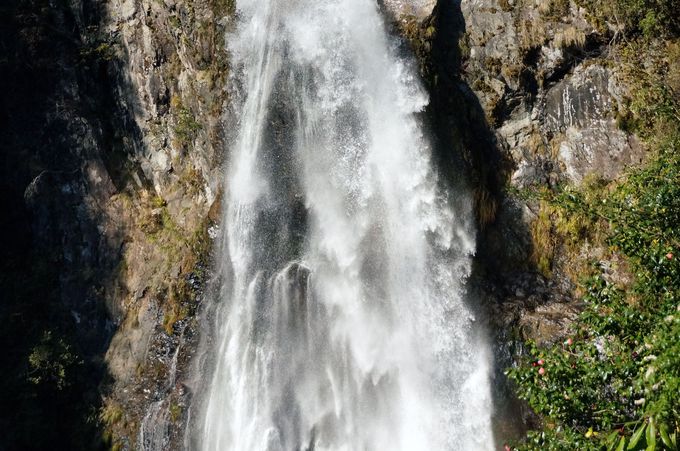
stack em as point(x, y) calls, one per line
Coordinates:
point(341, 322)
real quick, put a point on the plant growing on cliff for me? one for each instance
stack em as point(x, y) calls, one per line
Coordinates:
point(51, 361)
point(98, 51)
point(651, 18)
point(186, 125)
point(620, 374)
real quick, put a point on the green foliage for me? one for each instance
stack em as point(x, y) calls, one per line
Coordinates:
point(614, 384)
point(102, 51)
point(51, 361)
point(621, 368)
point(175, 412)
point(186, 125)
point(557, 231)
point(651, 18)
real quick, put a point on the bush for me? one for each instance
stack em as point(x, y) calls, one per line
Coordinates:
point(619, 373)
point(652, 18)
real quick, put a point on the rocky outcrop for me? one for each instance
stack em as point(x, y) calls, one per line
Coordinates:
point(411, 9)
point(544, 79)
point(582, 109)
point(173, 72)
point(527, 93)
point(542, 75)
point(174, 66)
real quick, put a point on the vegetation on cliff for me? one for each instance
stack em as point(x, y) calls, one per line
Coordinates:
point(652, 18)
point(614, 383)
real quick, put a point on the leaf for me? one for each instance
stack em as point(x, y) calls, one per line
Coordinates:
point(637, 436)
point(651, 436)
point(611, 440)
point(622, 444)
point(663, 432)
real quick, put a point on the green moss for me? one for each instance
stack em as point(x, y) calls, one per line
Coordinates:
point(186, 126)
point(464, 46)
point(224, 7)
point(102, 51)
point(175, 412)
point(193, 180)
point(191, 251)
point(175, 22)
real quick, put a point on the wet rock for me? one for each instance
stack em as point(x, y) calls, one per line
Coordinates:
point(548, 324)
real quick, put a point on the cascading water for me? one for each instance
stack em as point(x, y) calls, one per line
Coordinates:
point(341, 323)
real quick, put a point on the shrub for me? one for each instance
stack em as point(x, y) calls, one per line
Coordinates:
point(51, 362)
point(652, 18)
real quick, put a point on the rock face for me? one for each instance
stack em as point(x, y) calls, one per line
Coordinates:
point(418, 9)
point(581, 108)
point(173, 60)
point(173, 72)
point(111, 151)
point(542, 76)
point(525, 91)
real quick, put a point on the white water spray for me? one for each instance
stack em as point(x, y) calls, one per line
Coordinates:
point(341, 323)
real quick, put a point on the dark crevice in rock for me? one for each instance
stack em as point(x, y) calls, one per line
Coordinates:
point(594, 47)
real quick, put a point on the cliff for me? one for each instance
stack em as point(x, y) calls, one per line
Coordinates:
point(112, 139)
point(531, 99)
